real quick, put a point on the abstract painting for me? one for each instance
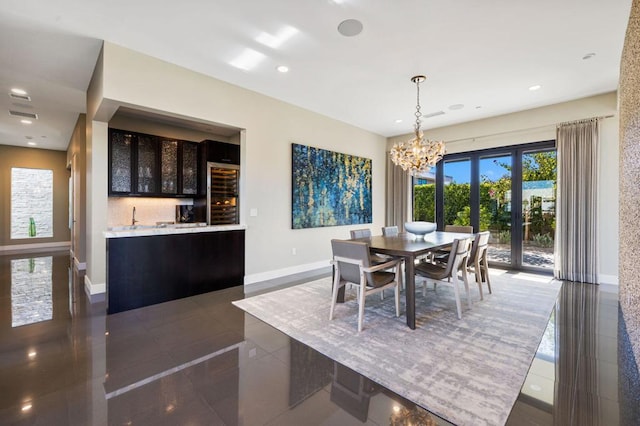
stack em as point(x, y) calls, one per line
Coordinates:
point(329, 188)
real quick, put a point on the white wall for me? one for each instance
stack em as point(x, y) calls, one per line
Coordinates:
point(539, 125)
point(269, 127)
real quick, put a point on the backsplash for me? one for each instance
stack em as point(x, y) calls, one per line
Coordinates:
point(149, 211)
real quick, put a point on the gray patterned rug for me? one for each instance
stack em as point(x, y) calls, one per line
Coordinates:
point(467, 371)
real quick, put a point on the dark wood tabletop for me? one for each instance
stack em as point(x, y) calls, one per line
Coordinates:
point(409, 247)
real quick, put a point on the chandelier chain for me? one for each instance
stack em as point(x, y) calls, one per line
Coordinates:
point(418, 114)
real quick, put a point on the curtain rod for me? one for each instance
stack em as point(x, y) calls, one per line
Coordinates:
point(527, 129)
point(584, 120)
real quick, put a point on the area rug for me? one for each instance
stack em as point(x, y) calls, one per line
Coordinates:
point(467, 371)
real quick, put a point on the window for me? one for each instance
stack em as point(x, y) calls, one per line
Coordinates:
point(31, 203)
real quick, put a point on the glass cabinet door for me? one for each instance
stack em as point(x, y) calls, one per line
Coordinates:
point(189, 168)
point(147, 164)
point(121, 150)
point(169, 166)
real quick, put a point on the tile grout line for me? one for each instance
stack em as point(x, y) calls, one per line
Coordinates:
point(170, 371)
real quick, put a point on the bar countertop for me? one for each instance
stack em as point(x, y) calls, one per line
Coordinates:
point(153, 230)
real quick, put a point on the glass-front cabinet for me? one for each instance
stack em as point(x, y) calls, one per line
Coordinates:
point(169, 166)
point(147, 165)
point(120, 153)
point(189, 168)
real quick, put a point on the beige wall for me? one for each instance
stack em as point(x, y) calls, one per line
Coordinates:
point(96, 164)
point(268, 128)
point(13, 156)
point(539, 125)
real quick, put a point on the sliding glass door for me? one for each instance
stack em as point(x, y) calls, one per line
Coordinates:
point(538, 208)
point(495, 205)
point(457, 191)
point(508, 191)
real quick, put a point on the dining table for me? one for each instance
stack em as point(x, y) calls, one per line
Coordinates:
point(410, 247)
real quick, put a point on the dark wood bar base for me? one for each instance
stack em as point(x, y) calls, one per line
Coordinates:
point(145, 270)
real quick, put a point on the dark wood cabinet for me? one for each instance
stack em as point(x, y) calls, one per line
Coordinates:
point(222, 152)
point(173, 266)
point(154, 166)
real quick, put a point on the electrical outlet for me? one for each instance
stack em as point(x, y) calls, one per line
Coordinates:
point(294, 251)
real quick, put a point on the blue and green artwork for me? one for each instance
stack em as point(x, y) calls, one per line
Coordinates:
point(329, 188)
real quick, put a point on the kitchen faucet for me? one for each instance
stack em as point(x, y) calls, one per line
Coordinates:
point(133, 217)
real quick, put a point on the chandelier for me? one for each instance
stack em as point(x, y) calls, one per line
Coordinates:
point(418, 154)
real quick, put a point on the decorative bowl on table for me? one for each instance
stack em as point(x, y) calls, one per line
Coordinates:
point(420, 229)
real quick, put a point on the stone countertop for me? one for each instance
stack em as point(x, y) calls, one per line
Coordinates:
point(149, 230)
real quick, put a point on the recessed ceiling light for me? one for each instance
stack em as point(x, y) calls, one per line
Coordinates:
point(350, 27)
point(18, 91)
point(589, 56)
point(32, 354)
point(399, 120)
point(26, 121)
point(32, 143)
point(535, 87)
point(478, 106)
point(27, 407)
point(282, 68)
point(456, 106)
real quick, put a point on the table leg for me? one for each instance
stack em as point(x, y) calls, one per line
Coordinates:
point(410, 291)
point(342, 291)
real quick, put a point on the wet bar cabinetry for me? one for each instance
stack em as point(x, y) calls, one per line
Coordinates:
point(148, 165)
point(150, 266)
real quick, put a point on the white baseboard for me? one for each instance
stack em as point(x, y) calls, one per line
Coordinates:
point(80, 266)
point(279, 273)
point(93, 289)
point(608, 279)
point(34, 247)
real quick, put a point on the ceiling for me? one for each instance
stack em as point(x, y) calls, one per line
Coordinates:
point(479, 56)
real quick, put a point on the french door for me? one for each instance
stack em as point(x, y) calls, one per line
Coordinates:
point(508, 191)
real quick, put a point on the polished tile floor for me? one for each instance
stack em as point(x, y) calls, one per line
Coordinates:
point(201, 361)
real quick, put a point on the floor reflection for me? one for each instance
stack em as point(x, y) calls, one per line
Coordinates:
point(31, 292)
point(201, 360)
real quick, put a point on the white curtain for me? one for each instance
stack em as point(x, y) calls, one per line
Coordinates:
point(576, 241)
point(397, 202)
